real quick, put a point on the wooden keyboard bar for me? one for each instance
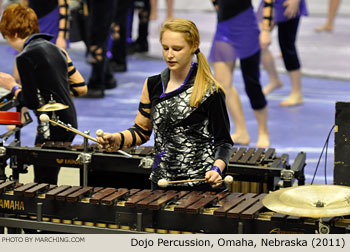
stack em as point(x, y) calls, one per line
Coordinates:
point(230, 203)
point(41, 188)
point(143, 204)
point(6, 186)
point(169, 196)
point(269, 153)
point(20, 190)
point(238, 155)
point(52, 193)
point(111, 199)
point(77, 195)
point(285, 158)
point(234, 150)
point(197, 207)
point(230, 197)
point(131, 202)
point(188, 200)
point(235, 212)
point(63, 195)
point(253, 211)
point(134, 191)
point(257, 156)
point(97, 189)
point(276, 163)
point(247, 156)
point(222, 195)
point(261, 196)
point(97, 197)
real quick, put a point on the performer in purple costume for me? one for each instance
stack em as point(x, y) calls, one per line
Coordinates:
point(287, 14)
point(237, 36)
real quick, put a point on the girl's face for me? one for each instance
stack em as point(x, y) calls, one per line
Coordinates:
point(177, 53)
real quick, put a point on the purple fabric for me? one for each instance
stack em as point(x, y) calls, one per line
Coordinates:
point(183, 84)
point(50, 23)
point(279, 10)
point(236, 37)
point(157, 160)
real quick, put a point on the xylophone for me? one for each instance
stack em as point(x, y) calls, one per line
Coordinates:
point(254, 170)
point(79, 209)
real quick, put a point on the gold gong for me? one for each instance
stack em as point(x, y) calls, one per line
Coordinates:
point(314, 201)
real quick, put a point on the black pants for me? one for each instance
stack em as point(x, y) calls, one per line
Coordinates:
point(144, 7)
point(119, 31)
point(100, 19)
point(287, 32)
point(46, 174)
point(251, 76)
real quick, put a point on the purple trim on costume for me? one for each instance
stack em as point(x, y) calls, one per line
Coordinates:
point(157, 160)
point(183, 84)
point(279, 10)
point(37, 35)
point(237, 37)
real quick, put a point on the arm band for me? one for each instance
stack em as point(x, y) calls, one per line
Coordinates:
point(14, 89)
point(217, 169)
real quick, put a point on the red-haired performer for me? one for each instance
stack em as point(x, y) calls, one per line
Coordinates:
point(45, 71)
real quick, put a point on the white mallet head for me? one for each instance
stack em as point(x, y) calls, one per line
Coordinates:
point(99, 133)
point(228, 179)
point(44, 118)
point(163, 183)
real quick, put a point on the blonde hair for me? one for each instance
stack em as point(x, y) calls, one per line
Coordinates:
point(204, 78)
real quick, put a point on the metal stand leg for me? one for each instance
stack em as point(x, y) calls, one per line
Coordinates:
point(85, 158)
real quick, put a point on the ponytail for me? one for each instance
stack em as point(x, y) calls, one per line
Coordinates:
point(203, 82)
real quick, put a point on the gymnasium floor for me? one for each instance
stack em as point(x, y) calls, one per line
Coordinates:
point(292, 130)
